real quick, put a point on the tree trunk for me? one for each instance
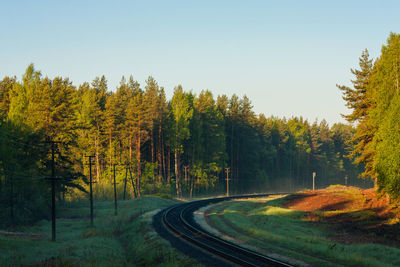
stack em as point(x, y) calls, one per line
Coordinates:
point(152, 149)
point(238, 185)
point(159, 154)
point(186, 179)
point(277, 162)
point(152, 143)
point(139, 172)
point(126, 176)
point(97, 159)
point(177, 175)
point(308, 168)
point(120, 151)
point(169, 165)
point(163, 157)
point(130, 148)
point(232, 158)
point(133, 185)
point(110, 153)
point(298, 163)
point(191, 185)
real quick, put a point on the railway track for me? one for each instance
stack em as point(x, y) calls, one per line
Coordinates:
point(177, 224)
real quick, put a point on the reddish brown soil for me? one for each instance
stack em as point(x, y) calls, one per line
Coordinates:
point(355, 215)
point(338, 198)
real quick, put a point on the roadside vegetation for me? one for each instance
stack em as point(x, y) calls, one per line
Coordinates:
point(127, 239)
point(331, 227)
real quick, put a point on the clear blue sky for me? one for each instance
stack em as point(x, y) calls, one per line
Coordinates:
point(286, 56)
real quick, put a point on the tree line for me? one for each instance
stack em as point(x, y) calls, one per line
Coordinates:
point(180, 146)
point(374, 100)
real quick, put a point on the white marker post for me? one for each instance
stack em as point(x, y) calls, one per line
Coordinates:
point(313, 180)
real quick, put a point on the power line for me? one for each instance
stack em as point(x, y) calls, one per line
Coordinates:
point(19, 142)
point(21, 174)
point(25, 144)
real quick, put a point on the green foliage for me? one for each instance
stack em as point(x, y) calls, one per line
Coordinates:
point(23, 189)
point(375, 105)
point(155, 144)
point(387, 162)
point(182, 112)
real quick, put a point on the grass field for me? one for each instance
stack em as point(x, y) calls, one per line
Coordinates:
point(127, 239)
point(290, 235)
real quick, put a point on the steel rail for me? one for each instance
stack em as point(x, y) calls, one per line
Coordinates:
point(178, 219)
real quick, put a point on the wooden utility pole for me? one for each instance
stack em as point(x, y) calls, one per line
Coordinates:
point(115, 194)
point(227, 181)
point(91, 189)
point(313, 180)
point(53, 195)
point(12, 199)
point(133, 185)
point(53, 191)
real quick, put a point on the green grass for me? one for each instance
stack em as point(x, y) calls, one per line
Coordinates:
point(124, 240)
point(287, 232)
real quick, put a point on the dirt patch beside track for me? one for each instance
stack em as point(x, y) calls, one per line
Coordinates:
point(358, 216)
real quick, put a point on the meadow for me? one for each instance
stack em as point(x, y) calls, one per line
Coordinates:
point(126, 239)
point(316, 237)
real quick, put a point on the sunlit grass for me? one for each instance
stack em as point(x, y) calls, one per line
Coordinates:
point(286, 231)
point(124, 240)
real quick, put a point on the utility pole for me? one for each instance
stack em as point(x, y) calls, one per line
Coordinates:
point(115, 194)
point(91, 189)
point(12, 199)
point(345, 180)
point(313, 180)
point(227, 181)
point(136, 193)
point(53, 191)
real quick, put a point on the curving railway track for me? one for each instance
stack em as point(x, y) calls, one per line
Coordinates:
point(177, 225)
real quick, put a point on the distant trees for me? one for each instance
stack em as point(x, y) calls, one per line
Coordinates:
point(179, 146)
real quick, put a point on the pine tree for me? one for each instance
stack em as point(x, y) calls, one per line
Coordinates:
point(91, 104)
point(360, 101)
point(98, 96)
point(139, 118)
point(123, 95)
point(162, 113)
point(356, 98)
point(182, 113)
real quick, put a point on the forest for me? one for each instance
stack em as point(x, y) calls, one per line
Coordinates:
point(183, 147)
point(375, 104)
